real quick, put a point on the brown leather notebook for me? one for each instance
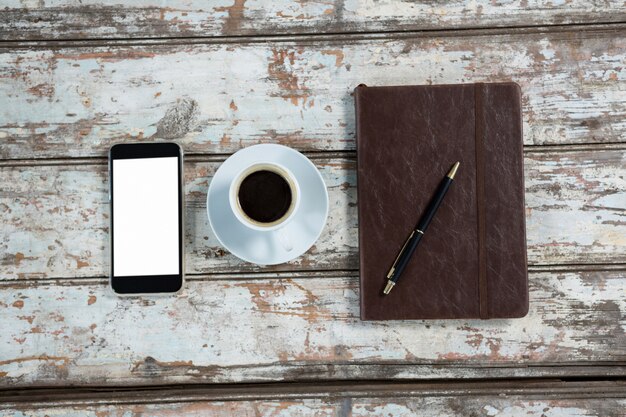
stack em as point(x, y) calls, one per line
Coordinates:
point(471, 262)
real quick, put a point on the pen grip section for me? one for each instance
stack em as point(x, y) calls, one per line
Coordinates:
point(434, 204)
point(405, 255)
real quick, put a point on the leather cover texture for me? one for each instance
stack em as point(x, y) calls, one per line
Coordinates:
point(471, 262)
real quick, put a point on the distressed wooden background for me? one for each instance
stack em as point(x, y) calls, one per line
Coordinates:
point(221, 75)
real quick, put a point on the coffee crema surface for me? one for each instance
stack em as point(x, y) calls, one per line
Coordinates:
point(264, 196)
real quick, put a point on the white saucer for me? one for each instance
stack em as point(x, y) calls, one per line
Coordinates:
point(264, 248)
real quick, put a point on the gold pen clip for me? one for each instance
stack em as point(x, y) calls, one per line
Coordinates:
point(393, 267)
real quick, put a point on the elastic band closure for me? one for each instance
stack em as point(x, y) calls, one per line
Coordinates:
point(480, 198)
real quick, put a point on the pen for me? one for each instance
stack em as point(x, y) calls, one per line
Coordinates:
point(416, 235)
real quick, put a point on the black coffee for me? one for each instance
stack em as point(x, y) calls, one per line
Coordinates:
point(264, 196)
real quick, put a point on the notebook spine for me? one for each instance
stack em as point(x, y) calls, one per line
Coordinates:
point(357, 132)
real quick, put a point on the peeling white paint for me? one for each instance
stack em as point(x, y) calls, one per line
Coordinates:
point(227, 331)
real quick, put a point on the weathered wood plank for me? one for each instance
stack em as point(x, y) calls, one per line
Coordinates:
point(65, 19)
point(492, 406)
point(575, 205)
point(223, 331)
point(56, 222)
point(55, 218)
point(72, 102)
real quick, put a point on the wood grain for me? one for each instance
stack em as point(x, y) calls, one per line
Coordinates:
point(295, 329)
point(65, 19)
point(215, 77)
point(596, 398)
point(492, 406)
point(216, 98)
point(84, 397)
point(56, 217)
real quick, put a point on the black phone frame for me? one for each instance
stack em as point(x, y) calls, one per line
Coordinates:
point(148, 284)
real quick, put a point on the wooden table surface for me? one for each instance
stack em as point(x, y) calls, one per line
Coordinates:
point(76, 77)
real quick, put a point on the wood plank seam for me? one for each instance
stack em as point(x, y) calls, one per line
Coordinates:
point(195, 157)
point(149, 19)
point(295, 273)
point(614, 27)
point(75, 396)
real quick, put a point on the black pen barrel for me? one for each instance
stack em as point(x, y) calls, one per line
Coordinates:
point(434, 204)
point(405, 257)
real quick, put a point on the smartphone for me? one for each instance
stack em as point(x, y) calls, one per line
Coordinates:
point(147, 225)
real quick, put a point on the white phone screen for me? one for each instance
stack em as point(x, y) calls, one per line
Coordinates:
point(145, 216)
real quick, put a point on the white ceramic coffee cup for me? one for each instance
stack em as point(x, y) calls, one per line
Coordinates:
point(275, 227)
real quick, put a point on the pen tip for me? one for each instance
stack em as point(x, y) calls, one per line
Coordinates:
point(452, 171)
point(389, 286)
